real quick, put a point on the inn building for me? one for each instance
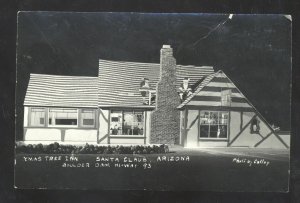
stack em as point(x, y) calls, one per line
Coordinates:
point(145, 103)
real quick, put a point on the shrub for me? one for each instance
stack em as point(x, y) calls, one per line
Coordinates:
point(56, 148)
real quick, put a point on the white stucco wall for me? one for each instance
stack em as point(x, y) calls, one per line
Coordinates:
point(216, 143)
point(139, 141)
point(81, 135)
point(42, 134)
point(192, 128)
point(71, 135)
point(25, 120)
point(286, 138)
point(234, 125)
point(272, 142)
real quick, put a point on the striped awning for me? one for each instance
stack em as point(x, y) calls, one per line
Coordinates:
point(209, 93)
point(62, 91)
point(119, 81)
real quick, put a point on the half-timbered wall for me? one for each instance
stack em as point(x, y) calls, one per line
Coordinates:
point(103, 133)
point(57, 134)
point(218, 93)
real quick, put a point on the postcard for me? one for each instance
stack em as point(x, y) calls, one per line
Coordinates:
point(144, 101)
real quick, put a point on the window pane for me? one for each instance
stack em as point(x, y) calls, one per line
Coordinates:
point(87, 118)
point(128, 123)
point(116, 123)
point(204, 131)
point(204, 117)
point(62, 121)
point(213, 119)
point(213, 131)
point(138, 123)
point(223, 117)
point(223, 131)
point(63, 117)
point(37, 117)
point(88, 122)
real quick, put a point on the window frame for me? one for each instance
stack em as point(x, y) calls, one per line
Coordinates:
point(63, 126)
point(209, 126)
point(80, 123)
point(47, 114)
point(30, 117)
point(122, 111)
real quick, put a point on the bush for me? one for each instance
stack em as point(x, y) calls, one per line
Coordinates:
point(56, 148)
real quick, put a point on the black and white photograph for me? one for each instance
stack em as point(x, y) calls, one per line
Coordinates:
point(153, 101)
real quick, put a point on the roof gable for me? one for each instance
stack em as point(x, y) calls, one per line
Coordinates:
point(208, 93)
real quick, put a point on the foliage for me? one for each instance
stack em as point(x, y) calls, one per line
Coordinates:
point(56, 148)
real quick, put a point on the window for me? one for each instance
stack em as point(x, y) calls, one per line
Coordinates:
point(254, 128)
point(127, 123)
point(226, 97)
point(87, 118)
point(213, 124)
point(63, 117)
point(37, 117)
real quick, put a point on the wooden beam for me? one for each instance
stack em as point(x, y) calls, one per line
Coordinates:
point(63, 133)
point(29, 116)
point(185, 125)
point(268, 135)
point(228, 128)
point(281, 140)
point(198, 134)
point(105, 136)
point(97, 124)
point(126, 137)
point(219, 108)
point(145, 124)
point(242, 121)
point(108, 124)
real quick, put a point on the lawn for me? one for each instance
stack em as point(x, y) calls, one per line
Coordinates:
point(182, 169)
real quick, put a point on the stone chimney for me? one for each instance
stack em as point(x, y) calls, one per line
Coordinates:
point(165, 120)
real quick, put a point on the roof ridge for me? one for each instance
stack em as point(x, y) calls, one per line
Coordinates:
point(105, 60)
point(53, 75)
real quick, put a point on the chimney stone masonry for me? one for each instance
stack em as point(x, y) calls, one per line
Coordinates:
point(165, 120)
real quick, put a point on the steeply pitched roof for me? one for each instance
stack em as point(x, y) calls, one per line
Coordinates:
point(208, 92)
point(119, 81)
point(62, 91)
point(198, 88)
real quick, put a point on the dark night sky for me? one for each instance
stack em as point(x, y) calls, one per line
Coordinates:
point(253, 50)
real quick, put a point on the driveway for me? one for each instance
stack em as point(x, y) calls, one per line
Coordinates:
point(272, 154)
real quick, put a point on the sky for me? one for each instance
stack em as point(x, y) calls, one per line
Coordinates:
point(254, 51)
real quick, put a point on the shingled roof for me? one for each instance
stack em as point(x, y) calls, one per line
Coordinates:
point(119, 81)
point(63, 91)
point(117, 85)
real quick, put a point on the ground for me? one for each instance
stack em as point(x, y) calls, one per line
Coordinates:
point(210, 169)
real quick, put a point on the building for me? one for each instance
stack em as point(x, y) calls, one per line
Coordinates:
point(144, 103)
